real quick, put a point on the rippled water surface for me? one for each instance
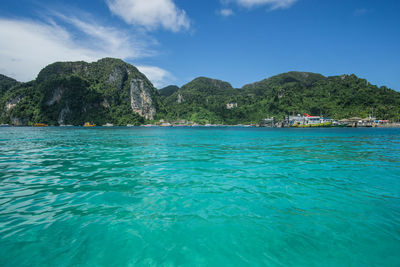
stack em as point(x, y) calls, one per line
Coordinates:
point(195, 197)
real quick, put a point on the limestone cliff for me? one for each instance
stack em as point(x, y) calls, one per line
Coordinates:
point(141, 101)
point(108, 90)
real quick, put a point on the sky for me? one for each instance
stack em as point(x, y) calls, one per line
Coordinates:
point(175, 41)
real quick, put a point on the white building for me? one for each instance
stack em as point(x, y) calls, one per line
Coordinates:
point(312, 119)
point(307, 119)
point(296, 120)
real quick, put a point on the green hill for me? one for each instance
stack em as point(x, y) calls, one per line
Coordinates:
point(202, 100)
point(168, 90)
point(108, 90)
point(113, 91)
point(337, 96)
point(205, 100)
point(6, 83)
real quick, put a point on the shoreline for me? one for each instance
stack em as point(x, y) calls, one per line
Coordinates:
point(393, 125)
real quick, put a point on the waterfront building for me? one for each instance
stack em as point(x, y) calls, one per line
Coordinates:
point(296, 120)
point(359, 122)
point(307, 119)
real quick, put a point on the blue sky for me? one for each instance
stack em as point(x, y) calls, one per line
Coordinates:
point(175, 41)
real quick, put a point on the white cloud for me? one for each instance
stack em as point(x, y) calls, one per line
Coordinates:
point(274, 4)
point(226, 12)
point(108, 40)
point(27, 46)
point(159, 77)
point(151, 14)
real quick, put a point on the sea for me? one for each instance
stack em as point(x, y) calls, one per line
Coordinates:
point(187, 196)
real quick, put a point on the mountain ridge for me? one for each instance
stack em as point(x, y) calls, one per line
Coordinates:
point(111, 90)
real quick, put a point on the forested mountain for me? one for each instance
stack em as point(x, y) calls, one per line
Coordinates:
point(337, 96)
point(293, 92)
point(108, 90)
point(111, 90)
point(6, 83)
point(202, 100)
point(169, 90)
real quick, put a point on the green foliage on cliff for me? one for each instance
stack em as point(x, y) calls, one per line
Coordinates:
point(337, 97)
point(6, 83)
point(112, 91)
point(202, 100)
point(169, 90)
point(205, 100)
point(79, 92)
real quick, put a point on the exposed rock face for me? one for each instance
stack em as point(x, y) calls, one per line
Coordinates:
point(141, 101)
point(61, 117)
point(180, 99)
point(281, 94)
point(105, 103)
point(57, 94)
point(12, 103)
point(117, 77)
point(108, 90)
point(17, 121)
point(231, 105)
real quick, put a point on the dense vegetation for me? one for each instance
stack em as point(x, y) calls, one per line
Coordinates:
point(338, 97)
point(101, 92)
point(6, 83)
point(75, 93)
point(204, 100)
point(169, 90)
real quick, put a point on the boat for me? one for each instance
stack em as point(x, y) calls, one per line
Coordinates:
point(4, 125)
point(108, 125)
point(40, 125)
point(88, 124)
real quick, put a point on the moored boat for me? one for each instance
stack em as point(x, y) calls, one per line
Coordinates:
point(88, 124)
point(40, 125)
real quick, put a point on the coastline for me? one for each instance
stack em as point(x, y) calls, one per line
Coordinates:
point(389, 125)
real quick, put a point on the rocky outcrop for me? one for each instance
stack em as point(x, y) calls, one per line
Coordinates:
point(56, 97)
point(117, 77)
point(63, 113)
point(109, 90)
point(18, 121)
point(12, 103)
point(180, 99)
point(141, 100)
point(105, 103)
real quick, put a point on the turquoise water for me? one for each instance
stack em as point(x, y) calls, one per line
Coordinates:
point(199, 197)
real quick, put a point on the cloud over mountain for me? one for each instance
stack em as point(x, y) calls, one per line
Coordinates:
point(29, 45)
